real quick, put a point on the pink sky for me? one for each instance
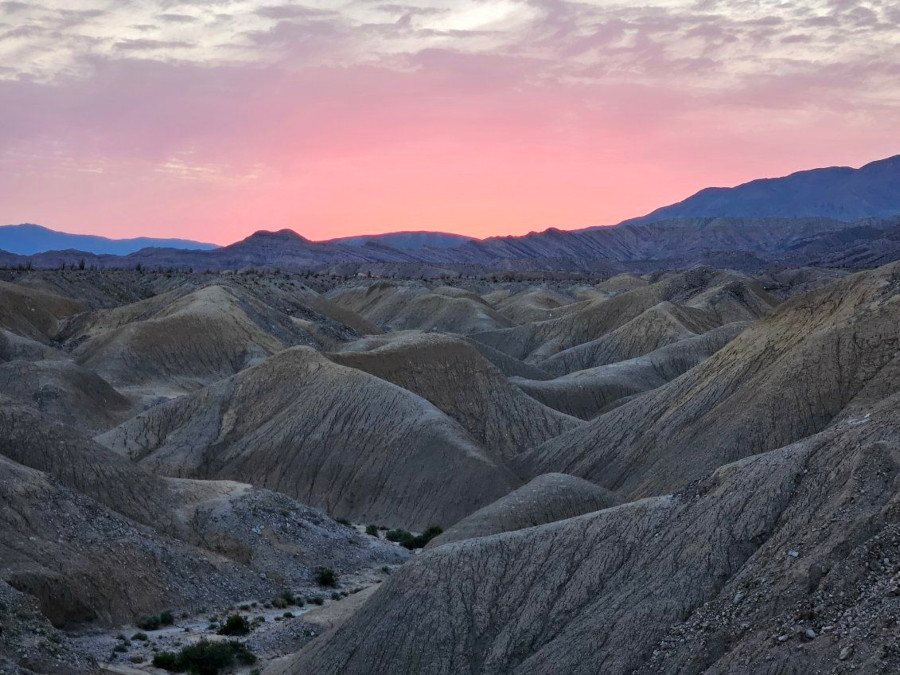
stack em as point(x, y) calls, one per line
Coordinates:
point(210, 120)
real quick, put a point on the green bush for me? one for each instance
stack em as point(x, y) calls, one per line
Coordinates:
point(148, 623)
point(140, 636)
point(156, 622)
point(372, 530)
point(205, 658)
point(235, 625)
point(285, 599)
point(325, 576)
point(398, 536)
point(411, 541)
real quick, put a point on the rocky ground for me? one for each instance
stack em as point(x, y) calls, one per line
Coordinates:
point(675, 472)
point(276, 630)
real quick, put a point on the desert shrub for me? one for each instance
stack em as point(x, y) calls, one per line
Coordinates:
point(148, 623)
point(235, 625)
point(120, 648)
point(205, 657)
point(344, 522)
point(431, 532)
point(317, 601)
point(325, 576)
point(284, 599)
point(411, 541)
point(140, 636)
point(398, 536)
point(156, 622)
point(372, 530)
point(288, 615)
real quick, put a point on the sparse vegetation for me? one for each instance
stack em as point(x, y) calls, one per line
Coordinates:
point(235, 625)
point(411, 541)
point(155, 622)
point(284, 599)
point(372, 530)
point(325, 576)
point(205, 658)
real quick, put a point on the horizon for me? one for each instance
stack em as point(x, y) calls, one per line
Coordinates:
point(363, 235)
point(495, 118)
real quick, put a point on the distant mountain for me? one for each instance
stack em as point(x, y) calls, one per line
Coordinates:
point(28, 239)
point(840, 217)
point(737, 243)
point(838, 193)
point(407, 240)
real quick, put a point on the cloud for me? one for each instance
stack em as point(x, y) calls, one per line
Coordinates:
point(150, 45)
point(503, 114)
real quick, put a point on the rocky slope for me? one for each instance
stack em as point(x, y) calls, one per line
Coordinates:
point(783, 562)
point(34, 314)
point(412, 306)
point(714, 293)
point(451, 374)
point(587, 393)
point(784, 378)
point(545, 499)
point(184, 338)
point(331, 436)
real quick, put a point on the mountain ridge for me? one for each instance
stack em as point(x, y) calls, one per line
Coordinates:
point(28, 239)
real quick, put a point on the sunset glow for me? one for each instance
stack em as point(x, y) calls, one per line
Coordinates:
point(210, 120)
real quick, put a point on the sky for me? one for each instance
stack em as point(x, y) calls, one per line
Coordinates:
point(211, 119)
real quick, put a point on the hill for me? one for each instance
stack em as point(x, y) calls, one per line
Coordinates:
point(790, 375)
point(331, 436)
point(27, 239)
point(838, 193)
point(783, 562)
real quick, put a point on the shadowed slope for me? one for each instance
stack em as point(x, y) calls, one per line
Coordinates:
point(263, 531)
point(726, 566)
point(331, 436)
point(587, 393)
point(451, 374)
point(782, 379)
point(507, 365)
point(185, 338)
point(661, 325)
point(536, 342)
point(34, 314)
point(414, 306)
point(65, 391)
point(545, 499)
point(83, 561)
point(533, 304)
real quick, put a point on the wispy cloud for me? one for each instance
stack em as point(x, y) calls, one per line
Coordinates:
point(498, 115)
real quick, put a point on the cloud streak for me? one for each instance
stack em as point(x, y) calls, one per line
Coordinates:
point(218, 117)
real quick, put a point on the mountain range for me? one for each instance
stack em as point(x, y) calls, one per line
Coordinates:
point(28, 239)
point(837, 193)
point(835, 216)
